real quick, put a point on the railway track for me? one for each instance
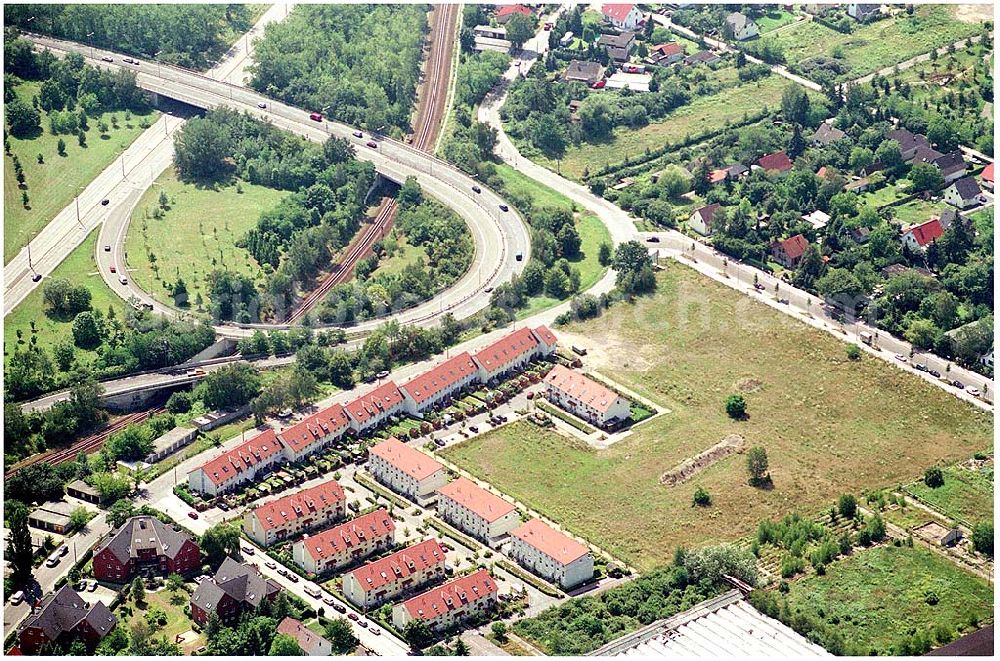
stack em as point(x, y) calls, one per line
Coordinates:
point(87, 445)
point(429, 115)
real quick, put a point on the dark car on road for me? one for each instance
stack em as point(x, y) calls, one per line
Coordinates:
point(958, 384)
point(504, 207)
point(371, 144)
point(477, 189)
point(653, 239)
point(36, 277)
point(935, 374)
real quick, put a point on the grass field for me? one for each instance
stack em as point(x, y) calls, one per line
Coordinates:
point(53, 184)
point(79, 267)
point(703, 114)
point(879, 596)
point(876, 45)
point(197, 234)
point(177, 621)
point(830, 426)
point(773, 19)
point(966, 495)
point(917, 211)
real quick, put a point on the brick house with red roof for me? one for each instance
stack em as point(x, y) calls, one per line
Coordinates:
point(63, 618)
point(295, 513)
point(506, 12)
point(425, 391)
point(986, 178)
point(145, 545)
point(472, 509)
point(235, 589)
point(375, 407)
point(511, 352)
point(406, 470)
point(244, 463)
point(346, 543)
point(585, 398)
point(918, 237)
point(622, 16)
point(314, 432)
point(402, 572)
point(447, 605)
point(547, 340)
point(776, 162)
point(553, 555)
point(788, 252)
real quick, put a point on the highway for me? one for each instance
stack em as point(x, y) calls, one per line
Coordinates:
point(497, 235)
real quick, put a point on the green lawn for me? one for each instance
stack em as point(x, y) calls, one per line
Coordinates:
point(80, 267)
point(917, 211)
point(177, 621)
point(773, 19)
point(878, 596)
point(197, 234)
point(983, 220)
point(687, 348)
point(404, 255)
point(53, 184)
point(704, 113)
point(876, 45)
point(966, 495)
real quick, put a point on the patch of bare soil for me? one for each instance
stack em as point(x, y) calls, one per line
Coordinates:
point(749, 384)
point(608, 353)
point(684, 471)
point(974, 13)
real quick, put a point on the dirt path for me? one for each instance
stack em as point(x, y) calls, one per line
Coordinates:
point(684, 471)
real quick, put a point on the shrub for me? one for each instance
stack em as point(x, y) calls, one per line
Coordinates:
point(853, 351)
point(736, 407)
point(702, 498)
point(934, 477)
point(847, 506)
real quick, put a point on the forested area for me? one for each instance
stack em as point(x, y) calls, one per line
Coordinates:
point(358, 64)
point(190, 35)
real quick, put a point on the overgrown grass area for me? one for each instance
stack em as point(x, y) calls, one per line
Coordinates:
point(966, 495)
point(878, 44)
point(829, 425)
point(196, 235)
point(52, 185)
point(80, 267)
point(703, 113)
point(177, 622)
point(880, 596)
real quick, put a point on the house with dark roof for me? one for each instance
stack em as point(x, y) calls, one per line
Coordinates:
point(147, 546)
point(741, 26)
point(952, 166)
point(776, 162)
point(963, 194)
point(909, 142)
point(63, 618)
point(234, 589)
point(701, 57)
point(619, 46)
point(310, 642)
point(584, 72)
point(701, 219)
point(827, 133)
point(788, 252)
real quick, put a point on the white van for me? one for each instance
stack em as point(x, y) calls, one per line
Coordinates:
point(312, 591)
point(16, 598)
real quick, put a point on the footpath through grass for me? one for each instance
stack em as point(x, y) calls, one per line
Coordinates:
point(829, 425)
point(53, 184)
point(880, 596)
point(196, 235)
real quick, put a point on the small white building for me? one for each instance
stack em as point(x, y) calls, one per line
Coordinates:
point(637, 82)
point(489, 31)
point(295, 513)
point(701, 219)
point(170, 443)
point(346, 543)
point(818, 219)
point(433, 387)
point(394, 575)
point(451, 603)
point(585, 398)
point(623, 17)
point(741, 26)
point(553, 555)
point(406, 470)
point(475, 510)
point(963, 194)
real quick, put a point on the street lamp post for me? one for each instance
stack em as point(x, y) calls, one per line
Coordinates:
point(89, 35)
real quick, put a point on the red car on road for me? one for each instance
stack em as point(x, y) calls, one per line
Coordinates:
point(316, 116)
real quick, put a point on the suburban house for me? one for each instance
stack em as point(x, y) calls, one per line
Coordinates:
point(701, 57)
point(619, 46)
point(952, 166)
point(295, 513)
point(776, 162)
point(482, 514)
point(858, 185)
point(310, 642)
point(509, 353)
point(373, 408)
point(82, 491)
point(64, 617)
point(986, 178)
point(701, 219)
point(909, 142)
point(244, 463)
point(235, 588)
point(827, 133)
point(345, 544)
point(145, 545)
point(553, 555)
point(406, 470)
point(584, 72)
point(424, 391)
point(918, 237)
point(963, 194)
point(389, 577)
point(741, 26)
point(788, 252)
point(664, 54)
point(585, 398)
point(506, 12)
point(623, 17)
point(314, 432)
point(547, 341)
point(862, 13)
point(448, 604)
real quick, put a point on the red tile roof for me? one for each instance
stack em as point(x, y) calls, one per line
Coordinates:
point(776, 162)
point(560, 547)
point(410, 460)
point(481, 502)
point(795, 246)
point(616, 12)
point(451, 595)
point(334, 541)
point(507, 350)
point(328, 421)
point(399, 565)
point(384, 398)
point(668, 49)
point(510, 9)
point(581, 388)
point(447, 374)
point(987, 174)
point(301, 504)
point(926, 232)
point(718, 176)
point(236, 461)
point(546, 336)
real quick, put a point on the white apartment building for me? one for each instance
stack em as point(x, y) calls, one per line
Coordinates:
point(394, 575)
point(585, 398)
point(449, 604)
point(295, 513)
point(345, 544)
point(406, 470)
point(553, 555)
point(475, 510)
